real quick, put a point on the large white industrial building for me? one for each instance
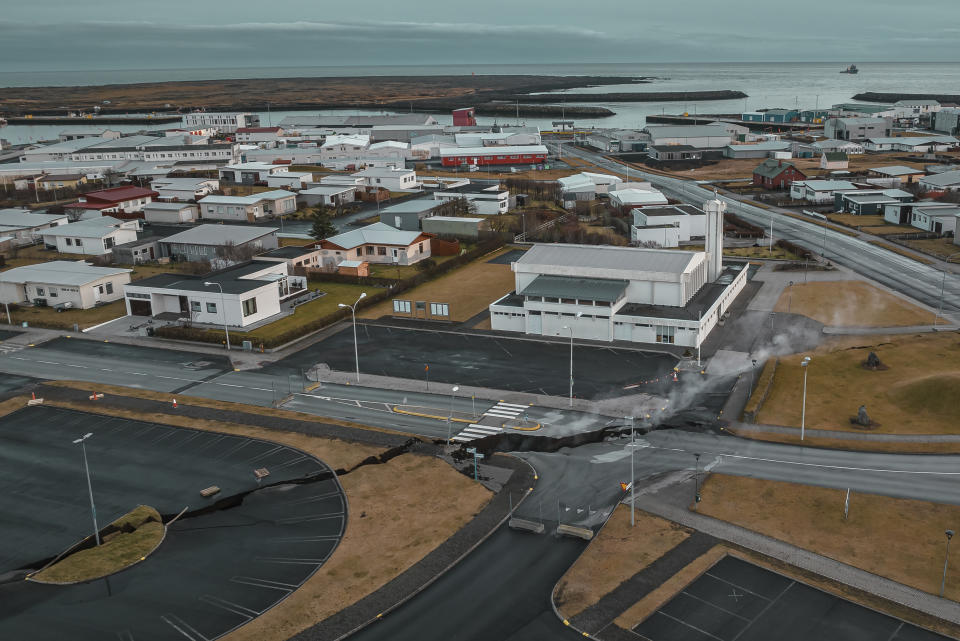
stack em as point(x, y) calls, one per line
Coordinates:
point(622, 293)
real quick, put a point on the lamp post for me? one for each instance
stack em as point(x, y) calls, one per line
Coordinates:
point(353, 314)
point(633, 485)
point(753, 371)
point(223, 310)
point(453, 394)
point(570, 329)
point(696, 482)
point(93, 510)
point(946, 561)
point(943, 284)
point(803, 411)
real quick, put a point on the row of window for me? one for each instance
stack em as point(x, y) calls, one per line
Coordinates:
point(436, 309)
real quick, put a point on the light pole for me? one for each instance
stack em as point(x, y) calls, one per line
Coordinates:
point(946, 561)
point(93, 510)
point(803, 411)
point(753, 371)
point(696, 482)
point(943, 284)
point(570, 329)
point(223, 310)
point(453, 395)
point(633, 485)
point(353, 313)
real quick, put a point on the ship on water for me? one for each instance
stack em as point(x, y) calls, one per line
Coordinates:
point(851, 69)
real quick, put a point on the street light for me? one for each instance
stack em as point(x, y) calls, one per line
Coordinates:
point(93, 510)
point(696, 482)
point(570, 329)
point(453, 394)
point(223, 310)
point(943, 284)
point(803, 411)
point(633, 485)
point(946, 560)
point(353, 313)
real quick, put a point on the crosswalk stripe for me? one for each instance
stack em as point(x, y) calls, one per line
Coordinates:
point(509, 405)
point(462, 439)
point(492, 428)
point(499, 414)
point(471, 430)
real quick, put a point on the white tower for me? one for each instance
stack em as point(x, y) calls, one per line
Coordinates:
point(714, 210)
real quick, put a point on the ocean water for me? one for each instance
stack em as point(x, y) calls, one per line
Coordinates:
point(768, 85)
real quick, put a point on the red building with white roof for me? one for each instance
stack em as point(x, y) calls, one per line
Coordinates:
point(506, 155)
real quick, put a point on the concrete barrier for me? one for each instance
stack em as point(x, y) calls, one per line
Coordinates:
point(571, 530)
point(528, 526)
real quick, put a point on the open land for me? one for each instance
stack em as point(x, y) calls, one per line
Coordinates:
point(850, 304)
point(915, 395)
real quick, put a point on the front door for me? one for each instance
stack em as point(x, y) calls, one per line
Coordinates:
point(534, 323)
point(184, 305)
point(97, 293)
point(622, 331)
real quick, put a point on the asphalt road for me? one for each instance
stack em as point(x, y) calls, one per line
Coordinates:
point(919, 281)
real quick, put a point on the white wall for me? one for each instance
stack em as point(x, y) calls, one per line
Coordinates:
point(663, 236)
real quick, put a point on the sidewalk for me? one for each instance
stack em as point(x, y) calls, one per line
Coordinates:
point(839, 434)
point(671, 504)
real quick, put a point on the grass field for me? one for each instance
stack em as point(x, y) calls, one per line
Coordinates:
point(939, 247)
point(760, 252)
point(404, 271)
point(616, 555)
point(915, 395)
point(874, 538)
point(901, 251)
point(117, 551)
point(468, 290)
point(850, 304)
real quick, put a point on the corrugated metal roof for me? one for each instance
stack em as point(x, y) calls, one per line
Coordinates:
point(375, 234)
point(416, 206)
point(59, 272)
point(219, 234)
point(608, 257)
point(598, 289)
point(896, 170)
point(88, 228)
point(25, 218)
point(687, 131)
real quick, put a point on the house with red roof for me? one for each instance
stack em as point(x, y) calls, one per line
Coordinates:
point(127, 201)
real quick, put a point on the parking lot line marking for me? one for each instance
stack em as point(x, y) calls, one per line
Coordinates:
point(715, 606)
point(692, 627)
point(764, 610)
point(176, 622)
point(735, 585)
point(229, 606)
point(264, 583)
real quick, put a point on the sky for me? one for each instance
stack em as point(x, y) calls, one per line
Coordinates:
point(135, 34)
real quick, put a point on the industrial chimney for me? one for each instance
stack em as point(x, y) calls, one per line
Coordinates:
point(714, 210)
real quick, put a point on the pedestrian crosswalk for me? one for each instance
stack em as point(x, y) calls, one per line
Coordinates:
point(9, 348)
point(476, 431)
point(506, 410)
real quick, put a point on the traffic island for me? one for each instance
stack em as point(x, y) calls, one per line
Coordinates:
point(124, 543)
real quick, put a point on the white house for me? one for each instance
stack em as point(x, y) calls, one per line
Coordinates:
point(636, 197)
point(621, 293)
point(689, 221)
point(937, 219)
point(849, 147)
point(332, 195)
point(376, 243)
point(184, 188)
point(699, 136)
point(249, 293)
point(245, 208)
point(819, 191)
point(489, 200)
point(249, 173)
point(946, 181)
point(586, 185)
point(389, 178)
point(342, 151)
point(225, 122)
point(93, 236)
point(171, 212)
point(208, 242)
point(26, 227)
point(74, 283)
point(290, 180)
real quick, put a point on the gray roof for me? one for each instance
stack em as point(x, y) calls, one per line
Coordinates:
point(416, 206)
point(220, 235)
point(180, 183)
point(326, 190)
point(686, 131)
point(375, 234)
point(835, 156)
point(59, 272)
point(609, 257)
point(97, 227)
point(945, 179)
point(26, 218)
point(598, 289)
point(231, 280)
point(169, 206)
point(291, 251)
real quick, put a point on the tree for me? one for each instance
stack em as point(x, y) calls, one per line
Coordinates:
point(323, 226)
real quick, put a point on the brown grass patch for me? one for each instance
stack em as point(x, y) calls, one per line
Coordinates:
point(898, 447)
point(812, 518)
point(899, 398)
point(468, 290)
point(850, 304)
point(900, 251)
point(939, 247)
point(381, 541)
point(614, 556)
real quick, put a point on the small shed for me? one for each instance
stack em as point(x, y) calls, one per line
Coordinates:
point(138, 251)
point(834, 160)
point(354, 268)
point(457, 226)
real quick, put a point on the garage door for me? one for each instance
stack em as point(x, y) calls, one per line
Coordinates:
point(140, 308)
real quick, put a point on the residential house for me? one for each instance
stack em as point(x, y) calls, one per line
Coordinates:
point(120, 202)
point(938, 220)
point(63, 282)
point(408, 215)
point(247, 294)
point(819, 191)
point(184, 188)
point(50, 182)
point(329, 195)
point(290, 180)
point(376, 243)
point(587, 185)
point(344, 152)
point(776, 174)
point(389, 178)
point(254, 135)
point(296, 258)
point(92, 237)
point(869, 202)
point(670, 153)
point(278, 202)
point(857, 128)
point(901, 173)
point(210, 242)
point(911, 144)
point(171, 212)
point(467, 227)
point(764, 149)
point(250, 173)
point(488, 200)
point(141, 250)
point(26, 227)
point(946, 181)
point(649, 222)
point(833, 160)
point(242, 208)
point(620, 198)
point(901, 213)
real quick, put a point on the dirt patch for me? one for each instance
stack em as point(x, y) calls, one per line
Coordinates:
point(619, 552)
point(896, 398)
point(399, 512)
point(812, 518)
point(850, 304)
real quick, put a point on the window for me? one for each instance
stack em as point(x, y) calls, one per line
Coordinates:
point(109, 288)
point(369, 250)
point(381, 251)
point(53, 292)
point(40, 291)
point(420, 248)
point(78, 241)
point(69, 241)
point(250, 306)
point(359, 251)
point(439, 309)
point(665, 334)
point(401, 306)
point(211, 308)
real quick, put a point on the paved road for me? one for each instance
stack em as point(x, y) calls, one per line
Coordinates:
point(902, 274)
